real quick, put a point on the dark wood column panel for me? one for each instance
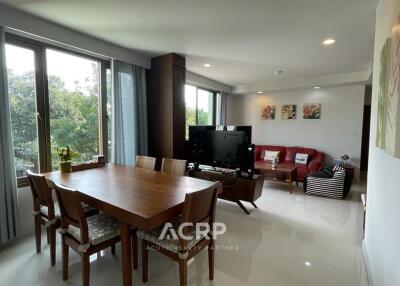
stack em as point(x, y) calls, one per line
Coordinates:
point(166, 106)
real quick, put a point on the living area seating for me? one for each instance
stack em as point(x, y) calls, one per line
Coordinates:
point(333, 182)
point(287, 158)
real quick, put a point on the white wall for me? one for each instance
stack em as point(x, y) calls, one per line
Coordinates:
point(65, 37)
point(338, 131)
point(382, 237)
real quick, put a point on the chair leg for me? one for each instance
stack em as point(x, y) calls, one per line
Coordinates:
point(48, 235)
point(65, 258)
point(183, 272)
point(38, 230)
point(113, 249)
point(211, 255)
point(52, 235)
point(145, 261)
point(135, 250)
point(85, 269)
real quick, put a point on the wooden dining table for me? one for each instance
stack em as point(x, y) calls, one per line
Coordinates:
point(136, 197)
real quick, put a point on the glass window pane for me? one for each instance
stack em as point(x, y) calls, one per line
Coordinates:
point(190, 101)
point(204, 107)
point(73, 98)
point(22, 91)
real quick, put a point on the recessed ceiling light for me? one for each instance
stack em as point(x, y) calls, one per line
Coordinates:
point(328, 42)
point(278, 72)
point(259, 92)
point(317, 87)
point(207, 65)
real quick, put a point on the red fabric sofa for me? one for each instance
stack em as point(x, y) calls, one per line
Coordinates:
point(287, 158)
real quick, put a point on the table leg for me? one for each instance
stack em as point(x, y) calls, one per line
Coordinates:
point(126, 254)
point(290, 182)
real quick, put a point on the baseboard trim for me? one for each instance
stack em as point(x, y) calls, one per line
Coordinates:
point(367, 265)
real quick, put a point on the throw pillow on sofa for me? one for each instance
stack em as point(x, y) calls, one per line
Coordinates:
point(271, 155)
point(301, 158)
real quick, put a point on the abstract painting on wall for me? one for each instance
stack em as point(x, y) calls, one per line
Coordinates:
point(267, 112)
point(388, 117)
point(288, 111)
point(382, 94)
point(312, 111)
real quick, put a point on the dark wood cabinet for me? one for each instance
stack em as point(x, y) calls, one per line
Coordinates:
point(166, 106)
point(236, 189)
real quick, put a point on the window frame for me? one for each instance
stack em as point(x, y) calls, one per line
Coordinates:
point(214, 102)
point(42, 99)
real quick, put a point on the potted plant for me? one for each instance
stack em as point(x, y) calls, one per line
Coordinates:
point(66, 155)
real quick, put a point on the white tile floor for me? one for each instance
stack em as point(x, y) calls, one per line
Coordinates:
point(290, 240)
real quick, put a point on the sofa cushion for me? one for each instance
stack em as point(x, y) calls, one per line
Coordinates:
point(301, 158)
point(271, 155)
point(281, 150)
point(311, 152)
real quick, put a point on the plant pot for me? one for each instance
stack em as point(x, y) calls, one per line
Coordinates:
point(65, 167)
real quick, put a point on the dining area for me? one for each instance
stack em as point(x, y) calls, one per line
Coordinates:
point(97, 206)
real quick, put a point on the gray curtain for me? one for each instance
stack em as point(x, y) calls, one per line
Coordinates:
point(129, 113)
point(221, 108)
point(8, 182)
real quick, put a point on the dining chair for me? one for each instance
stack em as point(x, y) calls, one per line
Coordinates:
point(85, 235)
point(174, 166)
point(199, 207)
point(46, 212)
point(145, 162)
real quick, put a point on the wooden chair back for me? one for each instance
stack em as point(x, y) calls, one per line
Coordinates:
point(84, 166)
point(174, 166)
point(200, 207)
point(40, 191)
point(71, 210)
point(145, 162)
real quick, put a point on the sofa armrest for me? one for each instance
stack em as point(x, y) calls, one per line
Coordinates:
point(317, 162)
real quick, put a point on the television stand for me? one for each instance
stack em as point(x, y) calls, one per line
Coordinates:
point(235, 189)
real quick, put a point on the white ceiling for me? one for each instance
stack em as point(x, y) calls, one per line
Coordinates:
point(244, 40)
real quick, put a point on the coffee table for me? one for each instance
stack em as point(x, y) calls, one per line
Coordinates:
point(290, 172)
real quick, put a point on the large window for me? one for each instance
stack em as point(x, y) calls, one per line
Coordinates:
point(200, 106)
point(57, 98)
point(74, 104)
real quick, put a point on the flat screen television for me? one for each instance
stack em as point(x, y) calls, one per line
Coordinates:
point(220, 146)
